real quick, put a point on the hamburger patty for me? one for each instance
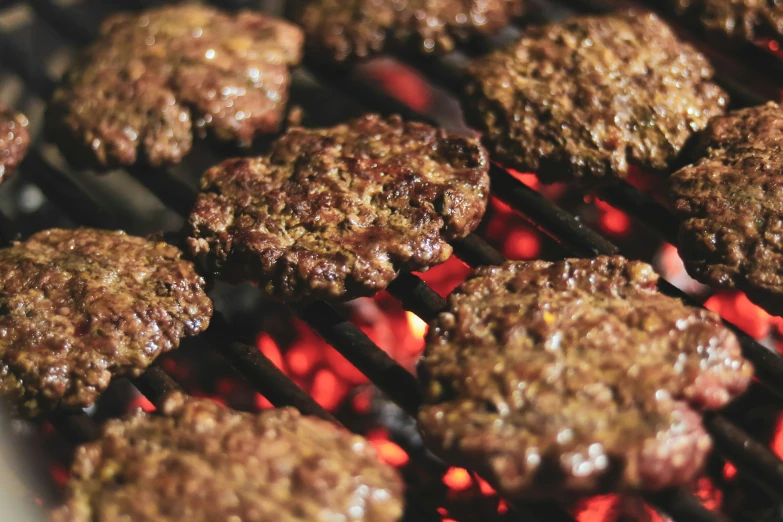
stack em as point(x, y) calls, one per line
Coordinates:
point(730, 200)
point(153, 78)
point(743, 20)
point(340, 30)
point(583, 98)
point(78, 307)
point(573, 378)
point(14, 140)
point(336, 213)
point(200, 462)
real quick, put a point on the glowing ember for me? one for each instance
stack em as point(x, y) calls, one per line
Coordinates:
point(522, 243)
point(736, 308)
point(729, 471)
point(141, 402)
point(612, 220)
point(457, 479)
point(613, 508)
point(328, 390)
point(401, 82)
point(269, 347)
point(777, 439)
point(388, 452)
point(709, 495)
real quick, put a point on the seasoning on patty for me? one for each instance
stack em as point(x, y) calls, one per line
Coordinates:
point(574, 378)
point(199, 461)
point(739, 20)
point(336, 213)
point(153, 78)
point(730, 201)
point(339, 30)
point(584, 98)
point(78, 307)
point(14, 140)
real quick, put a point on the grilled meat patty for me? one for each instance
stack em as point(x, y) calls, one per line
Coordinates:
point(153, 78)
point(341, 30)
point(336, 213)
point(738, 20)
point(200, 462)
point(730, 201)
point(78, 307)
point(584, 98)
point(14, 140)
point(556, 380)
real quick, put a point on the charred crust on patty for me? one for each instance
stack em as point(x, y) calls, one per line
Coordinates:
point(342, 31)
point(200, 461)
point(153, 79)
point(80, 307)
point(336, 213)
point(558, 380)
point(730, 202)
point(586, 98)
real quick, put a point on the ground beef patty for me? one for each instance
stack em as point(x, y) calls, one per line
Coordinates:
point(340, 30)
point(14, 140)
point(203, 462)
point(743, 20)
point(152, 78)
point(583, 98)
point(336, 213)
point(574, 378)
point(730, 201)
point(78, 307)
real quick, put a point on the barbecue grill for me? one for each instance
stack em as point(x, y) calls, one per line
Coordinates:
point(38, 37)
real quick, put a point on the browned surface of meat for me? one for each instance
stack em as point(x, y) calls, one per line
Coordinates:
point(14, 140)
point(738, 20)
point(78, 307)
point(153, 78)
point(200, 462)
point(336, 213)
point(341, 30)
point(730, 201)
point(585, 98)
point(573, 378)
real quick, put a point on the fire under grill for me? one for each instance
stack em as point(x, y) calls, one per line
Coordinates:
point(39, 37)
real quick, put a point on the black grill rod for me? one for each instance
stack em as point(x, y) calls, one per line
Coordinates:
point(269, 380)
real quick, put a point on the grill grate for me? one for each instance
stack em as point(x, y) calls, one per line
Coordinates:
point(75, 25)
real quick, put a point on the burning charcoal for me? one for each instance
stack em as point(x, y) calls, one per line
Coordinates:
point(79, 307)
point(153, 78)
point(201, 461)
point(586, 98)
point(729, 201)
point(336, 213)
point(573, 378)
